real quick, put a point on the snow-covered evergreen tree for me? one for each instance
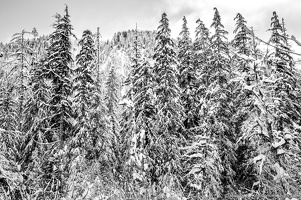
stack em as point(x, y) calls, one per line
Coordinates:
point(279, 142)
point(187, 78)
point(84, 89)
point(111, 98)
point(214, 144)
point(201, 55)
point(22, 52)
point(111, 101)
point(270, 132)
point(165, 153)
point(59, 62)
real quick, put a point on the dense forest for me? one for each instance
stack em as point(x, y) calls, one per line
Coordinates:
point(147, 116)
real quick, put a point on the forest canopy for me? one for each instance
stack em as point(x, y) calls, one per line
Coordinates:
point(148, 116)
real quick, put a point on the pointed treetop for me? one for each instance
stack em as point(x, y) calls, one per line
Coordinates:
point(216, 20)
point(66, 10)
point(240, 23)
point(163, 29)
point(185, 32)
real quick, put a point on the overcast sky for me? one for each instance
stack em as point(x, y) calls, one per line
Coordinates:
point(118, 15)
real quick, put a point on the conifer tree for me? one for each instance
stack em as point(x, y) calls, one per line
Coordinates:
point(143, 124)
point(20, 140)
point(111, 101)
point(243, 75)
point(137, 116)
point(184, 56)
point(59, 62)
point(187, 77)
point(242, 37)
point(280, 121)
point(201, 53)
point(111, 97)
point(84, 89)
point(165, 153)
point(22, 52)
point(214, 144)
point(202, 38)
point(219, 103)
point(272, 127)
point(37, 123)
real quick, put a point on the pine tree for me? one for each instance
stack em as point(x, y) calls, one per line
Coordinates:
point(142, 136)
point(187, 77)
point(272, 126)
point(281, 120)
point(184, 56)
point(99, 111)
point(242, 37)
point(84, 89)
point(243, 75)
point(137, 117)
point(111, 97)
point(202, 38)
point(111, 101)
point(20, 139)
point(59, 62)
point(165, 152)
point(37, 122)
point(201, 55)
point(214, 144)
point(22, 52)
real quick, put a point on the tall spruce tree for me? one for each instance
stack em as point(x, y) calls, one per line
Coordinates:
point(281, 120)
point(84, 89)
point(201, 55)
point(187, 77)
point(138, 116)
point(111, 101)
point(214, 144)
point(111, 98)
point(243, 75)
point(241, 37)
point(271, 129)
point(219, 103)
point(37, 123)
point(22, 52)
point(165, 153)
point(59, 62)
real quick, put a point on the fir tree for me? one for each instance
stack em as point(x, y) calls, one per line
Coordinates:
point(111, 97)
point(59, 72)
point(22, 52)
point(272, 125)
point(281, 120)
point(201, 55)
point(187, 76)
point(165, 153)
point(111, 101)
point(85, 90)
point(242, 75)
point(59, 61)
point(242, 37)
point(214, 144)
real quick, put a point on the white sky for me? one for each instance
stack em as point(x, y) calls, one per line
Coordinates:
point(118, 15)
